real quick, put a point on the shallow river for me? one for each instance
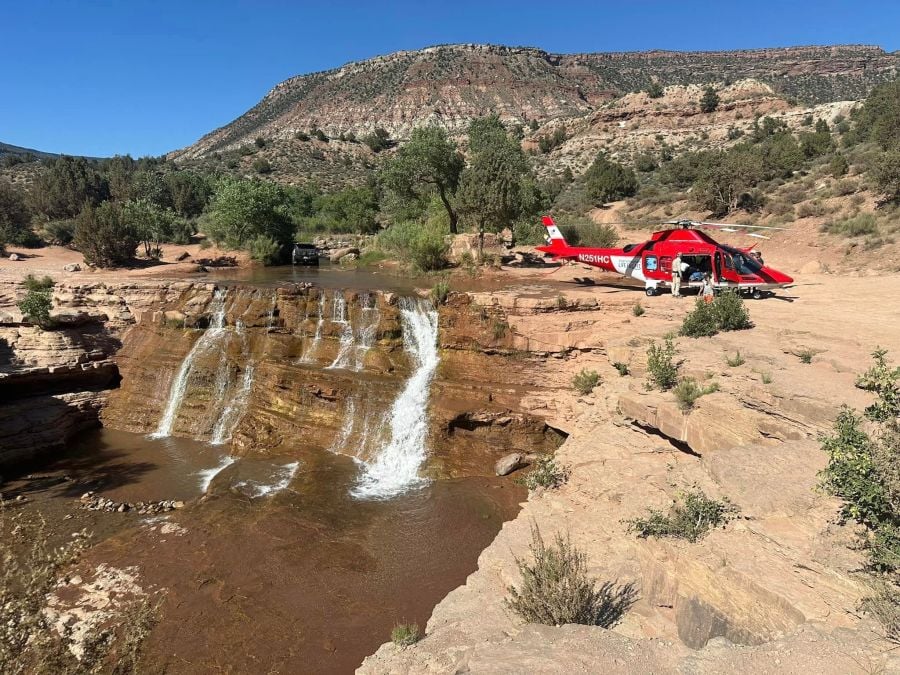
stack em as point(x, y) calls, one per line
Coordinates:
point(279, 568)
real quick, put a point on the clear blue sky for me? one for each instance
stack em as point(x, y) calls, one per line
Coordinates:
point(144, 77)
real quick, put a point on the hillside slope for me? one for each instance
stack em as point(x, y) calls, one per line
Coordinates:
point(449, 85)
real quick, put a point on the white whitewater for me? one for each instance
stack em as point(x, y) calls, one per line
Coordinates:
point(310, 352)
point(280, 480)
point(367, 330)
point(339, 316)
point(179, 385)
point(234, 410)
point(207, 476)
point(395, 467)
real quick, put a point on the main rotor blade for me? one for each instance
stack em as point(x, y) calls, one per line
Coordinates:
point(743, 227)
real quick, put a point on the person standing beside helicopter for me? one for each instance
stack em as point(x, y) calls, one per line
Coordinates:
point(678, 269)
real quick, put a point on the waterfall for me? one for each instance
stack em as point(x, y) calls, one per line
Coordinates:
point(310, 352)
point(395, 467)
point(179, 385)
point(233, 412)
point(339, 316)
point(367, 330)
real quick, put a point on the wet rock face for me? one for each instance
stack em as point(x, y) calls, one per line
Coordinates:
point(280, 370)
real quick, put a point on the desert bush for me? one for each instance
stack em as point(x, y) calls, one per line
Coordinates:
point(606, 180)
point(709, 101)
point(556, 589)
point(688, 391)
point(838, 165)
point(637, 309)
point(805, 355)
point(59, 232)
point(622, 368)
point(736, 360)
point(862, 469)
point(585, 233)
point(661, 366)
point(439, 292)
point(264, 249)
point(883, 604)
point(700, 321)
point(405, 634)
point(38, 300)
point(528, 232)
point(730, 311)
point(546, 473)
point(845, 187)
point(655, 90)
point(860, 225)
point(422, 245)
point(262, 166)
point(690, 517)
point(886, 174)
point(585, 381)
point(104, 237)
point(766, 378)
point(811, 209)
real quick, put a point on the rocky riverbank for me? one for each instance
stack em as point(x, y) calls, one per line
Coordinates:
point(777, 589)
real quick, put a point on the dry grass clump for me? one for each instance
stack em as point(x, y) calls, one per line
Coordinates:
point(556, 589)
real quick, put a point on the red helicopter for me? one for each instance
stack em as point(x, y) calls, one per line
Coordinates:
point(651, 262)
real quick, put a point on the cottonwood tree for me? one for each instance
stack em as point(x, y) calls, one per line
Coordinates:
point(152, 224)
point(242, 210)
point(495, 189)
point(428, 162)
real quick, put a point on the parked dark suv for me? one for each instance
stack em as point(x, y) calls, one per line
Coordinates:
point(305, 254)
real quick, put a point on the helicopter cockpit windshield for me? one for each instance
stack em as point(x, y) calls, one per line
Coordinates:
point(744, 263)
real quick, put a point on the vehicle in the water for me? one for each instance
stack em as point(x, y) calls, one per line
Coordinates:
point(305, 254)
point(651, 261)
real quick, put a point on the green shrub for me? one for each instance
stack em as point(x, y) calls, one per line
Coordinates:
point(860, 225)
point(422, 245)
point(58, 232)
point(262, 166)
point(709, 101)
point(301, 136)
point(731, 314)
point(701, 321)
point(688, 391)
point(883, 380)
point(546, 473)
point(32, 283)
point(655, 90)
point(104, 237)
point(405, 634)
point(661, 366)
point(726, 312)
point(586, 233)
point(637, 309)
point(556, 589)
point(439, 292)
point(585, 381)
point(528, 232)
point(264, 249)
point(736, 360)
point(862, 466)
point(499, 328)
point(838, 165)
point(606, 180)
point(622, 368)
point(766, 378)
point(691, 516)
point(35, 307)
point(806, 355)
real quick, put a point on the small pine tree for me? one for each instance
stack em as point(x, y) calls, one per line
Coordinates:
point(710, 100)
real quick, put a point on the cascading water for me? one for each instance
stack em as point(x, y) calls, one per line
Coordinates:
point(367, 330)
point(339, 315)
point(179, 385)
point(310, 352)
point(395, 467)
point(234, 410)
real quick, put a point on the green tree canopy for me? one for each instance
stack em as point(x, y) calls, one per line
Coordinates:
point(496, 188)
point(241, 210)
point(709, 101)
point(606, 180)
point(14, 216)
point(149, 222)
point(104, 236)
point(66, 186)
point(428, 162)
